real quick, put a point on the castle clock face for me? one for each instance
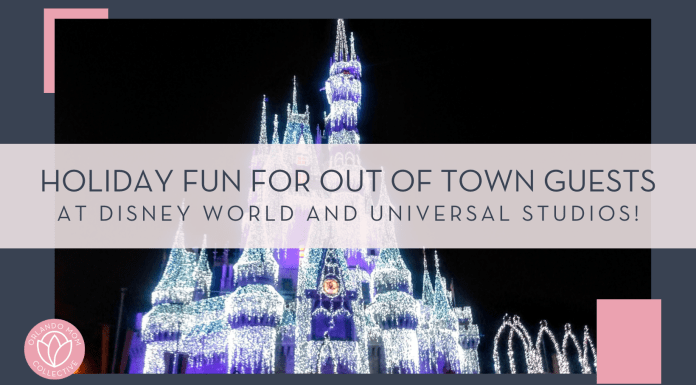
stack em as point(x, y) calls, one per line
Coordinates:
point(331, 287)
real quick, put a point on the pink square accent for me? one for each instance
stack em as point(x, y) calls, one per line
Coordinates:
point(629, 341)
point(50, 16)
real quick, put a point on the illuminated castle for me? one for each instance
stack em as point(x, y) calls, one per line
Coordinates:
point(305, 310)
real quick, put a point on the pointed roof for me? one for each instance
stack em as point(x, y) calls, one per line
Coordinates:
point(179, 235)
point(178, 283)
point(263, 135)
point(341, 52)
point(387, 233)
point(352, 47)
point(441, 306)
point(390, 258)
point(256, 265)
point(428, 292)
point(202, 274)
point(276, 140)
point(390, 272)
point(203, 264)
point(294, 95)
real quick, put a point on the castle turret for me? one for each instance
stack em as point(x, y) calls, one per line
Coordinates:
point(165, 324)
point(445, 328)
point(177, 284)
point(443, 314)
point(298, 124)
point(254, 310)
point(428, 292)
point(396, 312)
point(428, 358)
point(263, 135)
point(343, 91)
point(275, 139)
point(202, 274)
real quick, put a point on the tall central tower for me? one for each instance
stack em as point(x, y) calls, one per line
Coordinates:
point(343, 91)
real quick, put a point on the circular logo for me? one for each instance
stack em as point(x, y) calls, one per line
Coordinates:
point(54, 349)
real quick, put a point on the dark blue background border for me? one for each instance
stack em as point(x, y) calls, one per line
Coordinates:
point(27, 116)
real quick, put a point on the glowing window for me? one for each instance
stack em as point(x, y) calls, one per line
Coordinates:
point(331, 287)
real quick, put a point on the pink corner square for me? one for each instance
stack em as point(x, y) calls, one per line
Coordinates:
point(629, 341)
point(50, 16)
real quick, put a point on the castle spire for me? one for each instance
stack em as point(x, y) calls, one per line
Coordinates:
point(294, 95)
point(390, 272)
point(442, 308)
point(387, 233)
point(203, 257)
point(352, 47)
point(202, 274)
point(263, 135)
point(341, 53)
point(344, 92)
point(318, 139)
point(275, 130)
point(439, 276)
point(428, 293)
point(179, 236)
point(177, 283)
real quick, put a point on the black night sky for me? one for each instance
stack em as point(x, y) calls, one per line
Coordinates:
point(424, 81)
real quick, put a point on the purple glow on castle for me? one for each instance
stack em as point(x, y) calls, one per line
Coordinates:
point(305, 310)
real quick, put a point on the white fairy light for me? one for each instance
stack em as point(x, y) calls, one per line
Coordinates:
point(276, 139)
point(533, 353)
point(587, 342)
point(297, 127)
point(568, 335)
point(560, 356)
point(263, 134)
point(202, 275)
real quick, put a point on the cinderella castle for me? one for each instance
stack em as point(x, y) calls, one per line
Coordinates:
point(307, 309)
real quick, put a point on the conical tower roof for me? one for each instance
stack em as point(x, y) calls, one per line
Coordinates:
point(390, 272)
point(178, 282)
point(263, 135)
point(256, 265)
point(294, 95)
point(276, 138)
point(341, 51)
point(442, 310)
point(202, 274)
point(428, 292)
